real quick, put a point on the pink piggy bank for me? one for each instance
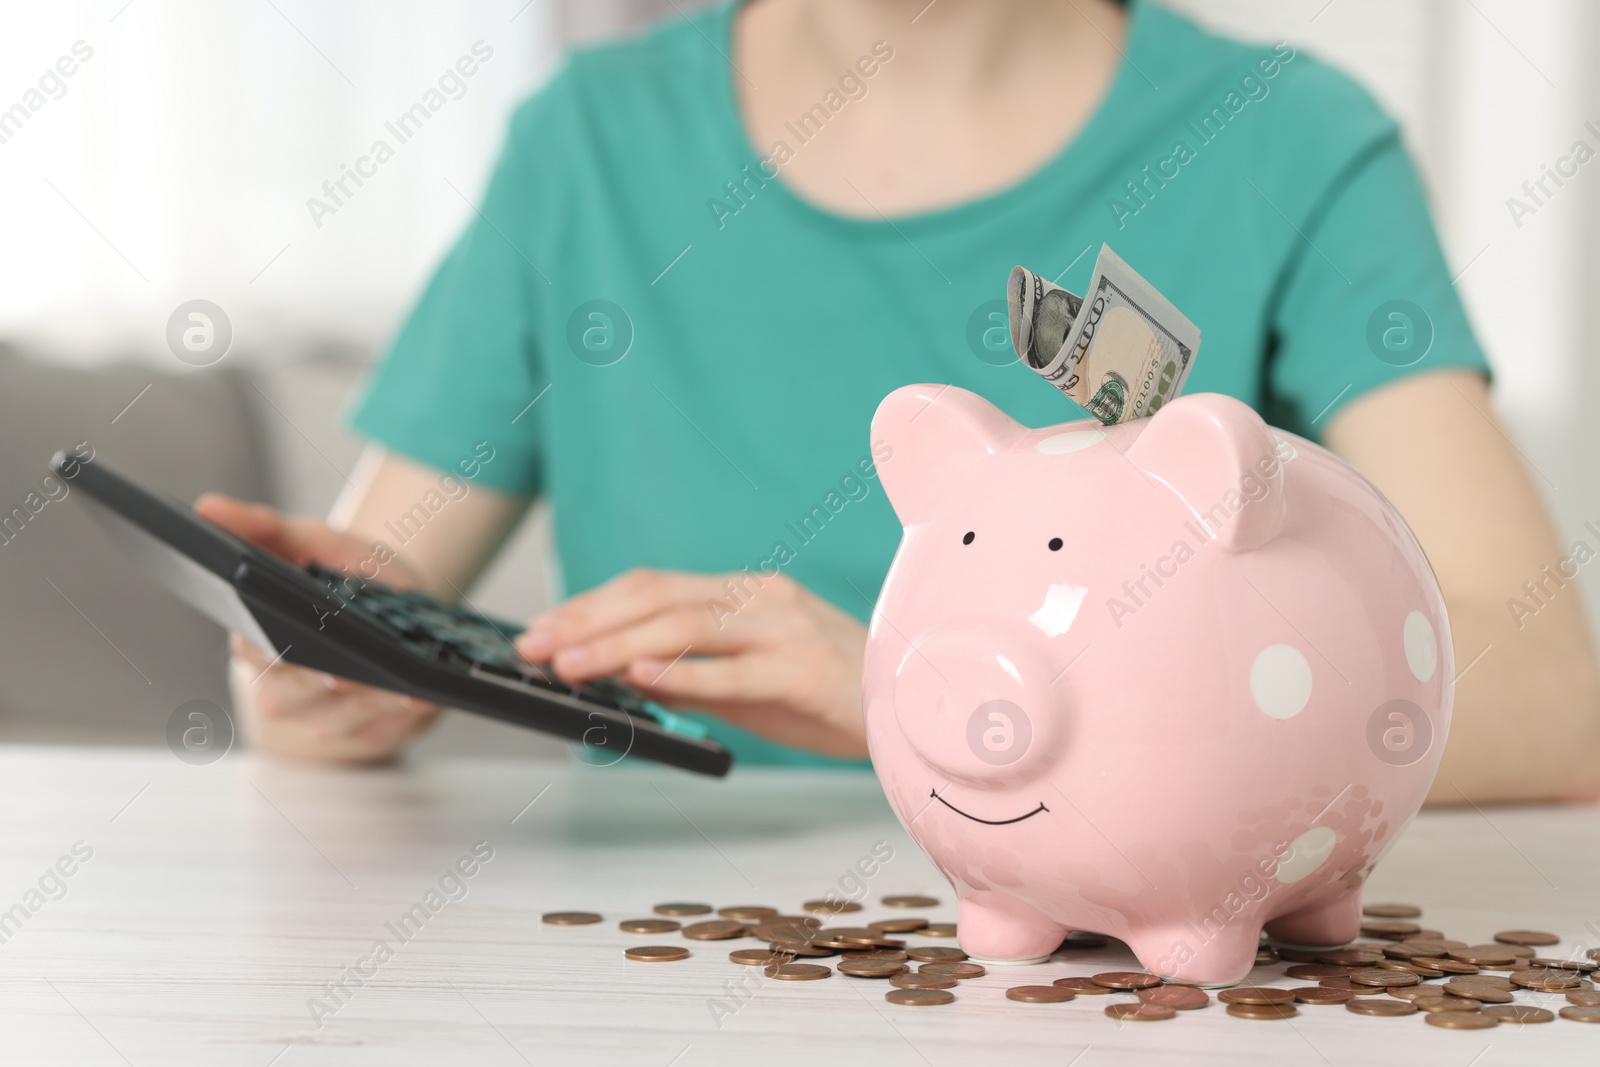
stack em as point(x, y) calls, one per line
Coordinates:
point(1173, 680)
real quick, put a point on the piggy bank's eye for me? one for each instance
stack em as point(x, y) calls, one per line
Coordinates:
point(967, 540)
point(1055, 544)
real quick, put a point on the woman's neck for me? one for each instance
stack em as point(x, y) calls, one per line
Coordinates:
point(950, 47)
point(964, 98)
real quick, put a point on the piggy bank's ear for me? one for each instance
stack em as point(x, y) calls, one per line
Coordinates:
point(1218, 455)
point(923, 433)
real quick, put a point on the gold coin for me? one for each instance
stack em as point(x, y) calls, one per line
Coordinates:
point(1140, 1012)
point(1255, 995)
point(1485, 993)
point(1379, 976)
point(935, 954)
point(1415, 950)
point(822, 941)
point(1447, 1004)
point(1526, 937)
point(1039, 994)
point(748, 913)
point(909, 980)
point(779, 930)
point(861, 934)
point(799, 972)
point(1485, 955)
point(1082, 986)
point(1381, 1006)
point(870, 968)
point(570, 918)
point(1262, 1011)
point(810, 951)
point(1176, 997)
point(1392, 911)
point(715, 930)
point(1581, 1013)
point(648, 926)
point(1416, 992)
point(1389, 930)
point(759, 957)
point(679, 908)
point(938, 930)
point(1461, 1020)
point(1126, 980)
point(1452, 966)
point(657, 953)
point(953, 970)
point(919, 997)
point(830, 907)
point(897, 926)
point(1580, 966)
point(910, 900)
point(860, 952)
point(1314, 994)
point(1546, 980)
point(1519, 1013)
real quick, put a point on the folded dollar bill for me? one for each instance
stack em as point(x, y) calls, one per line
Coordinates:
point(1120, 353)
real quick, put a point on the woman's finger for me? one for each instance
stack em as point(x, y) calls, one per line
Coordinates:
point(298, 539)
point(256, 523)
point(719, 679)
point(625, 599)
point(687, 629)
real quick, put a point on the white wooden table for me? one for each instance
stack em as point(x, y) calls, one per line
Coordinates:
point(220, 899)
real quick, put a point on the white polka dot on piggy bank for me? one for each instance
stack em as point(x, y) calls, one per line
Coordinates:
point(1189, 676)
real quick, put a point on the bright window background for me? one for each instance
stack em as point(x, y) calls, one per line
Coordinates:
point(178, 162)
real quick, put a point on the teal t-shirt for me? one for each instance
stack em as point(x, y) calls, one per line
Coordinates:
point(684, 356)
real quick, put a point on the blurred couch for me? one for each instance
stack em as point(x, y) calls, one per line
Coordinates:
point(91, 649)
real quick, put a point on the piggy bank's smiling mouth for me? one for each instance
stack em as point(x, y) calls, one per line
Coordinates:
point(934, 793)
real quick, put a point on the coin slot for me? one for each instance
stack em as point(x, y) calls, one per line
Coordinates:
point(967, 540)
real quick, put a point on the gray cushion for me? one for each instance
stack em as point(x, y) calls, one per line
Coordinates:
point(91, 649)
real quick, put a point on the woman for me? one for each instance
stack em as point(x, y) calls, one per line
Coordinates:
point(707, 253)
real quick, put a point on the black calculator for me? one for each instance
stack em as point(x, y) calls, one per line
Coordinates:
point(367, 632)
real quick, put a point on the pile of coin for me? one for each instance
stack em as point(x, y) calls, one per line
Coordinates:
point(1402, 969)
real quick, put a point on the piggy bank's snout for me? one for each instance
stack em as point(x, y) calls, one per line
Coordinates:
point(975, 703)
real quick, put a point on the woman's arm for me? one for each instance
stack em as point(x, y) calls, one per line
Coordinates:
point(444, 550)
point(1527, 705)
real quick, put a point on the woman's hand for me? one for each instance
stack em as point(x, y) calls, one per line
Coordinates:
point(777, 660)
point(298, 713)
